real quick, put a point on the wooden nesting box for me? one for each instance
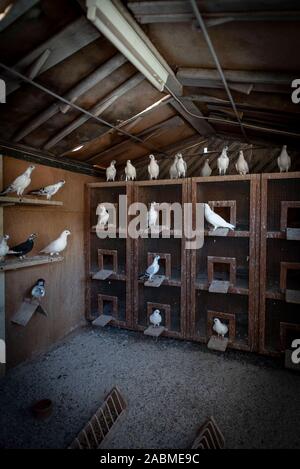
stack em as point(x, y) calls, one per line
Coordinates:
point(279, 320)
point(224, 271)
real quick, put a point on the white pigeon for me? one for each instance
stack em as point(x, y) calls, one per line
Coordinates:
point(4, 248)
point(284, 160)
point(130, 171)
point(181, 166)
point(155, 318)
point(58, 245)
point(220, 328)
point(152, 269)
point(20, 183)
point(173, 169)
point(50, 190)
point(152, 215)
point(241, 165)
point(111, 171)
point(223, 161)
point(153, 168)
point(103, 215)
point(215, 220)
point(206, 169)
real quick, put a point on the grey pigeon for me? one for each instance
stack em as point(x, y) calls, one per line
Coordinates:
point(20, 183)
point(38, 291)
point(50, 190)
point(152, 269)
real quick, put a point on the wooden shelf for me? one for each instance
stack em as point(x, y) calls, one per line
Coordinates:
point(9, 201)
point(170, 282)
point(119, 276)
point(15, 264)
point(241, 287)
point(231, 234)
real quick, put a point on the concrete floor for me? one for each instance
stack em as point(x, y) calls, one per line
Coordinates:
point(170, 387)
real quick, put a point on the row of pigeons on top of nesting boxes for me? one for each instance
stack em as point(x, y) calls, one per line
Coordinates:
point(178, 169)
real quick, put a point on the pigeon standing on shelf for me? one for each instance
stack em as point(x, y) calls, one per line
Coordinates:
point(181, 166)
point(215, 220)
point(241, 165)
point(155, 318)
point(38, 291)
point(152, 269)
point(58, 245)
point(153, 168)
point(223, 161)
point(220, 328)
point(284, 160)
point(152, 215)
point(22, 249)
point(173, 169)
point(20, 183)
point(111, 171)
point(206, 169)
point(103, 215)
point(130, 171)
point(50, 190)
point(4, 248)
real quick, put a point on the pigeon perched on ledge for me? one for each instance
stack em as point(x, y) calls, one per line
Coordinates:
point(215, 220)
point(58, 245)
point(223, 161)
point(155, 318)
point(153, 168)
point(50, 190)
point(103, 215)
point(181, 166)
point(152, 269)
point(152, 215)
point(130, 171)
point(206, 169)
point(4, 248)
point(173, 169)
point(220, 328)
point(38, 291)
point(284, 160)
point(20, 183)
point(22, 249)
point(241, 165)
point(111, 171)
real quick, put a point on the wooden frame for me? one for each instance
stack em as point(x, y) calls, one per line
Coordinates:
point(285, 205)
point(284, 267)
point(268, 233)
point(108, 252)
point(227, 317)
point(231, 261)
point(111, 299)
point(140, 190)
point(127, 189)
point(284, 327)
point(162, 307)
point(250, 290)
point(226, 204)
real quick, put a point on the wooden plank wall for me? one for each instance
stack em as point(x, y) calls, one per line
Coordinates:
point(65, 281)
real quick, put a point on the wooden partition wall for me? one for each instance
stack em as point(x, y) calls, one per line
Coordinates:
point(249, 277)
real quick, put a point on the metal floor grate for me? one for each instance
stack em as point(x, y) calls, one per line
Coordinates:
point(102, 422)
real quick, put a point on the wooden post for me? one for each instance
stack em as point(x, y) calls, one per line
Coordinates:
point(2, 277)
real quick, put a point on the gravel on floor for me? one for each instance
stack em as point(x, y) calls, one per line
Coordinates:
point(170, 386)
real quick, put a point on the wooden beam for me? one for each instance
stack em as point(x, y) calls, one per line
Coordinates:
point(196, 77)
point(24, 152)
point(17, 10)
point(78, 90)
point(71, 39)
point(96, 110)
point(199, 124)
point(173, 122)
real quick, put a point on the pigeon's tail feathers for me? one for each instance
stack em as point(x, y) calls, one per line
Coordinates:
point(6, 191)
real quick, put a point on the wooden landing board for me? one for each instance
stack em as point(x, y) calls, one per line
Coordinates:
point(102, 274)
point(7, 200)
point(292, 296)
point(288, 363)
point(219, 232)
point(156, 281)
point(154, 331)
point(219, 286)
point(102, 320)
point(14, 264)
point(215, 343)
point(26, 311)
point(293, 234)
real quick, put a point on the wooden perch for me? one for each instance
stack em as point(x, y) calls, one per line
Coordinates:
point(26, 311)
